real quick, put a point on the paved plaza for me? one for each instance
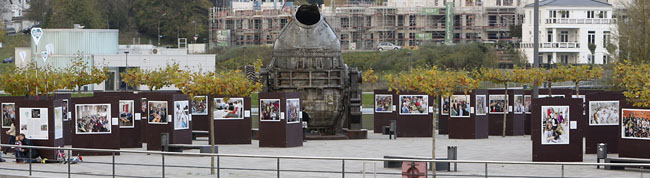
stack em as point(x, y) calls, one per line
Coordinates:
point(513, 148)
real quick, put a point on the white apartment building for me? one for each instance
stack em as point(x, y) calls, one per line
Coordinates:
point(566, 28)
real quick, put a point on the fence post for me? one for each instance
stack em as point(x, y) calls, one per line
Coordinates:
point(30, 162)
point(343, 168)
point(563, 171)
point(218, 167)
point(68, 160)
point(486, 170)
point(163, 165)
point(278, 169)
point(113, 164)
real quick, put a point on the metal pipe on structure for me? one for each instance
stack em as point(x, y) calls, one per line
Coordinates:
point(536, 59)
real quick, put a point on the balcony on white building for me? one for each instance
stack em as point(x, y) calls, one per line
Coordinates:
point(580, 21)
point(552, 45)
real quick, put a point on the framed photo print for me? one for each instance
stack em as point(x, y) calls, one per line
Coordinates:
point(181, 115)
point(519, 107)
point(555, 125)
point(158, 111)
point(269, 110)
point(444, 105)
point(200, 105)
point(293, 111)
point(481, 107)
point(603, 113)
point(497, 104)
point(528, 100)
point(384, 103)
point(414, 104)
point(8, 114)
point(460, 106)
point(93, 118)
point(635, 124)
point(126, 117)
point(231, 109)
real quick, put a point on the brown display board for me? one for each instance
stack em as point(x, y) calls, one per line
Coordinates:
point(50, 103)
point(567, 148)
point(527, 116)
point(514, 121)
point(383, 118)
point(99, 141)
point(414, 125)
point(152, 131)
point(231, 131)
point(200, 120)
point(472, 127)
point(4, 137)
point(596, 134)
point(632, 148)
point(129, 137)
point(279, 133)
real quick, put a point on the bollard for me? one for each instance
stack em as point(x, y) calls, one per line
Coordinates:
point(164, 142)
point(393, 129)
point(452, 154)
point(601, 153)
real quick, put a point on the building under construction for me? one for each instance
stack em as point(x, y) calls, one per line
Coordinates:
point(362, 26)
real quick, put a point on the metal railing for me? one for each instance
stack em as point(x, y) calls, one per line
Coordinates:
point(580, 21)
point(552, 45)
point(278, 168)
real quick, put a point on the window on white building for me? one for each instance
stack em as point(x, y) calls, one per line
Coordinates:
point(564, 59)
point(552, 14)
point(605, 58)
point(564, 36)
point(591, 37)
point(550, 36)
point(602, 14)
point(605, 39)
point(590, 14)
point(564, 14)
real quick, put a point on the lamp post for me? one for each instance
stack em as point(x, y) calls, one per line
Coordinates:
point(164, 14)
point(126, 53)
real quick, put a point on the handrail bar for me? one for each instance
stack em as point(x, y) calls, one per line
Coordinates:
point(335, 158)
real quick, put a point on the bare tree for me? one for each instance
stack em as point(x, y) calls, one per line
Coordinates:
point(632, 34)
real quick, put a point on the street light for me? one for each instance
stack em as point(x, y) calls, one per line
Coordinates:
point(164, 14)
point(126, 53)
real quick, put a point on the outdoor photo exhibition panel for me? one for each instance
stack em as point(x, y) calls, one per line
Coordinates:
point(385, 109)
point(278, 112)
point(602, 119)
point(232, 120)
point(555, 133)
point(468, 115)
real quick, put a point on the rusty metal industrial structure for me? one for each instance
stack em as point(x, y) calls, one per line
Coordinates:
point(307, 59)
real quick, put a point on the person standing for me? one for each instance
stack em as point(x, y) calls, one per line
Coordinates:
point(305, 124)
point(12, 135)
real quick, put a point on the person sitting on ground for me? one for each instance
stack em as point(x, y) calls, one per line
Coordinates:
point(24, 153)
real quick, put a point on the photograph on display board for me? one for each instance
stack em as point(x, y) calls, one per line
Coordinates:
point(157, 112)
point(293, 110)
point(200, 105)
point(65, 109)
point(497, 104)
point(528, 100)
point(232, 109)
point(269, 109)
point(58, 122)
point(635, 124)
point(384, 103)
point(552, 96)
point(34, 123)
point(480, 105)
point(8, 114)
point(603, 113)
point(93, 118)
point(414, 104)
point(444, 105)
point(181, 115)
point(144, 103)
point(125, 118)
point(519, 104)
point(460, 106)
point(555, 125)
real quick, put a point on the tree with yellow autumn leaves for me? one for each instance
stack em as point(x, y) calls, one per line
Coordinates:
point(224, 83)
point(434, 82)
point(634, 79)
point(154, 79)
